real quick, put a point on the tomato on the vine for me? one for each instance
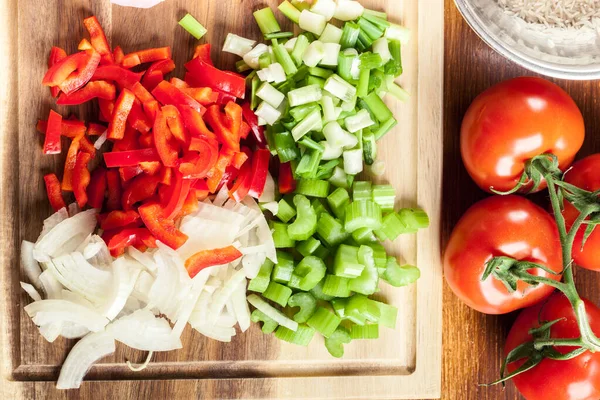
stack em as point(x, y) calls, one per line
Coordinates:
point(584, 174)
point(512, 122)
point(574, 379)
point(510, 226)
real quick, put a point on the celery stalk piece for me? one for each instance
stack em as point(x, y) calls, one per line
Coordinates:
point(269, 325)
point(277, 293)
point(305, 224)
point(324, 321)
point(312, 187)
point(302, 336)
point(335, 342)
point(397, 275)
point(370, 331)
point(307, 304)
point(261, 281)
point(272, 312)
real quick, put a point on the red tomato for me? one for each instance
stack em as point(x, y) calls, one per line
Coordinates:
point(585, 175)
point(574, 379)
point(514, 121)
point(509, 226)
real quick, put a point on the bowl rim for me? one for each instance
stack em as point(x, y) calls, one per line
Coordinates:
point(524, 60)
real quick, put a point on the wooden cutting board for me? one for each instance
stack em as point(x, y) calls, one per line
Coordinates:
point(403, 363)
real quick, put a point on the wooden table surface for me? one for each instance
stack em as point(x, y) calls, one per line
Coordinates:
point(473, 342)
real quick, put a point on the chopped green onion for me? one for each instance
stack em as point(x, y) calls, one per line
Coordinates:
point(290, 11)
point(331, 153)
point(324, 321)
point(378, 108)
point(370, 331)
point(370, 61)
point(336, 286)
point(389, 314)
point(280, 235)
point(269, 94)
point(338, 200)
point(385, 128)
point(335, 342)
point(320, 72)
point(191, 24)
point(353, 161)
point(349, 35)
point(331, 34)
point(331, 230)
point(361, 120)
point(312, 22)
point(380, 46)
point(307, 304)
point(241, 66)
point(300, 47)
point(395, 67)
point(238, 45)
point(284, 58)
point(397, 91)
point(325, 8)
point(341, 89)
point(317, 291)
point(378, 14)
point(300, 112)
point(302, 336)
point(332, 50)
point(263, 62)
point(312, 122)
point(312, 187)
point(269, 325)
point(363, 83)
point(337, 137)
point(397, 275)
point(398, 33)
point(278, 35)
point(310, 271)
point(286, 147)
point(261, 281)
point(305, 224)
point(272, 312)
point(369, 144)
point(254, 87)
point(304, 95)
point(277, 293)
point(346, 262)
point(339, 178)
point(377, 20)
point(283, 270)
point(315, 80)
point(314, 54)
point(267, 112)
point(311, 144)
point(370, 29)
point(266, 21)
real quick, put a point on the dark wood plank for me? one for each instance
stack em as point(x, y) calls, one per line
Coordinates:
point(473, 342)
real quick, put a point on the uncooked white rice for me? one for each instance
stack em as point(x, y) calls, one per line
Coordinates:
point(555, 13)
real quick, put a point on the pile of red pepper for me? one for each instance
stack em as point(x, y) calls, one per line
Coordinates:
point(173, 142)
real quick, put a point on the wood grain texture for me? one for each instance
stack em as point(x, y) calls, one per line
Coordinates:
point(404, 363)
point(473, 342)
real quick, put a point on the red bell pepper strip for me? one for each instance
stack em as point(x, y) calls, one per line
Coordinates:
point(150, 109)
point(94, 89)
point(81, 178)
point(175, 123)
point(221, 126)
point(61, 70)
point(129, 142)
point(150, 81)
point(252, 121)
point(229, 176)
point(239, 159)
point(160, 227)
point(77, 79)
point(240, 188)
point(140, 188)
point(163, 141)
point(128, 173)
point(209, 258)
point(178, 83)
point(233, 120)
point(194, 123)
point(106, 109)
point(116, 127)
point(224, 98)
point(52, 139)
point(118, 55)
point(218, 171)
point(205, 95)
point(70, 165)
point(113, 184)
point(56, 54)
point(97, 188)
point(137, 119)
point(166, 93)
point(201, 190)
point(141, 92)
point(202, 51)
point(146, 141)
point(68, 128)
point(124, 77)
point(54, 193)
point(197, 165)
point(129, 158)
point(87, 146)
point(85, 45)
point(166, 176)
point(119, 219)
point(163, 66)
point(150, 167)
point(260, 169)
point(143, 56)
point(98, 39)
point(118, 240)
point(207, 75)
point(175, 196)
point(244, 130)
point(286, 181)
point(190, 205)
point(95, 129)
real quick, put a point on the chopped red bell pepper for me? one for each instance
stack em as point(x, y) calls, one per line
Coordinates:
point(97, 188)
point(260, 169)
point(87, 146)
point(128, 173)
point(175, 123)
point(286, 181)
point(118, 55)
point(81, 178)
point(106, 109)
point(118, 240)
point(175, 195)
point(130, 140)
point(209, 258)
point(113, 183)
point(54, 193)
point(194, 123)
point(163, 229)
point(119, 219)
point(56, 54)
point(124, 77)
point(202, 51)
point(150, 167)
point(224, 98)
point(83, 75)
point(166, 176)
point(207, 75)
point(140, 188)
point(205, 96)
point(233, 120)
point(116, 127)
point(201, 190)
point(244, 130)
point(252, 121)
point(240, 188)
point(218, 171)
point(150, 81)
point(69, 128)
point(229, 176)
point(221, 126)
point(239, 159)
point(169, 94)
point(95, 129)
point(61, 70)
point(85, 45)
point(70, 164)
point(141, 92)
point(137, 119)
point(94, 89)
point(164, 66)
point(150, 109)
point(52, 139)
point(146, 141)
point(98, 39)
point(163, 141)
point(197, 165)
point(190, 205)
point(178, 83)
point(144, 56)
point(130, 157)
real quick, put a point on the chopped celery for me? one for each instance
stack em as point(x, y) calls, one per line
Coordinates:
point(338, 200)
point(361, 308)
point(266, 21)
point(414, 218)
point(339, 307)
point(385, 196)
point(283, 270)
point(370, 331)
point(277, 293)
point(380, 257)
point(324, 321)
point(389, 314)
point(317, 292)
point(269, 325)
point(319, 207)
point(285, 212)
point(335, 342)
point(363, 236)
point(361, 190)
point(191, 24)
point(302, 336)
point(397, 275)
point(336, 286)
point(362, 214)
point(346, 262)
point(261, 281)
point(307, 304)
point(305, 224)
point(310, 272)
point(331, 230)
point(308, 247)
point(392, 226)
point(312, 187)
point(280, 235)
point(368, 280)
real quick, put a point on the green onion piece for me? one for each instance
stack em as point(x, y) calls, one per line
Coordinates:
point(335, 342)
point(338, 200)
point(269, 325)
point(300, 47)
point(396, 61)
point(308, 247)
point(315, 80)
point(317, 292)
point(273, 313)
point(300, 112)
point(370, 331)
point(264, 60)
point(284, 58)
point(339, 178)
point(362, 89)
point(370, 29)
point(304, 95)
point(312, 187)
point(341, 89)
point(397, 91)
point(325, 171)
point(261, 281)
point(290, 11)
point(345, 263)
point(309, 163)
point(349, 35)
point(266, 21)
point(312, 122)
point(328, 109)
point(364, 42)
point(310, 272)
point(345, 65)
point(286, 147)
point(385, 128)
point(320, 72)
point(254, 87)
point(307, 304)
point(191, 24)
point(241, 66)
point(362, 214)
point(283, 270)
point(361, 308)
point(311, 144)
point(278, 35)
point(363, 236)
point(397, 275)
point(324, 321)
point(285, 211)
point(389, 314)
point(312, 22)
point(376, 20)
point(280, 235)
point(414, 218)
point(302, 336)
point(385, 196)
point(339, 307)
point(397, 32)
point(277, 293)
point(269, 94)
point(370, 61)
point(305, 224)
point(361, 190)
point(368, 280)
point(336, 286)
point(381, 112)
point(378, 14)
point(369, 147)
point(331, 230)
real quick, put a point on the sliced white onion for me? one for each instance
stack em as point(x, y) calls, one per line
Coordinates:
point(31, 291)
point(52, 221)
point(216, 333)
point(101, 140)
point(272, 312)
point(51, 285)
point(47, 311)
point(82, 356)
point(73, 209)
point(142, 330)
point(143, 258)
point(240, 306)
point(51, 331)
point(142, 286)
point(237, 45)
point(188, 303)
point(73, 331)
point(124, 277)
point(263, 231)
point(348, 10)
point(75, 298)
point(198, 316)
point(30, 265)
point(102, 258)
point(220, 299)
point(251, 57)
point(92, 249)
point(165, 288)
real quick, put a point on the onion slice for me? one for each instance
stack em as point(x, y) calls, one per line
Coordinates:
point(31, 291)
point(48, 311)
point(144, 331)
point(30, 265)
